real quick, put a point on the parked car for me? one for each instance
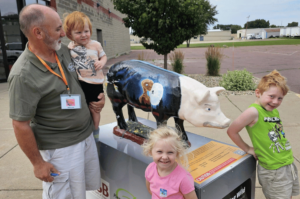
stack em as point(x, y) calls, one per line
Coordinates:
point(13, 51)
point(252, 37)
point(258, 37)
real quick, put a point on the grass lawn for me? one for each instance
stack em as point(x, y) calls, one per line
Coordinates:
point(237, 44)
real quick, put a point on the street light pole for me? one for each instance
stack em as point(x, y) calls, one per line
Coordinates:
point(247, 27)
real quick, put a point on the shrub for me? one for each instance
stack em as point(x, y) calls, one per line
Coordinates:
point(213, 56)
point(176, 58)
point(143, 56)
point(238, 80)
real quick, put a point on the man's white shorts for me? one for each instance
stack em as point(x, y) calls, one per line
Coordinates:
point(79, 168)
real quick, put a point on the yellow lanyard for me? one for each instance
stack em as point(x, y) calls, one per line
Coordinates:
point(63, 78)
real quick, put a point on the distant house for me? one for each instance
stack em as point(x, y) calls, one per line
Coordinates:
point(269, 32)
point(243, 33)
point(212, 35)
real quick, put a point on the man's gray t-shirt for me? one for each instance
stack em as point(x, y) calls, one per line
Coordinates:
point(35, 95)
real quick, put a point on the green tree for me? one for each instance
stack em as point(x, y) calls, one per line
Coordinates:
point(168, 23)
point(273, 26)
point(293, 24)
point(233, 28)
point(258, 23)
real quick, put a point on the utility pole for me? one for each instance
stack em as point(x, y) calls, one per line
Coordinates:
point(246, 26)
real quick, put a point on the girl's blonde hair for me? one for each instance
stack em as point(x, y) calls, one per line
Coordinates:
point(273, 78)
point(172, 137)
point(75, 21)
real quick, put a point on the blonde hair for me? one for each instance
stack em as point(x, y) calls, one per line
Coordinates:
point(75, 21)
point(172, 137)
point(274, 78)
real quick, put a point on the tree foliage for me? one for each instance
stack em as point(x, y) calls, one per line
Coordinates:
point(293, 24)
point(233, 28)
point(258, 23)
point(168, 23)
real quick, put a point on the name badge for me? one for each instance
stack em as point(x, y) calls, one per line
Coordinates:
point(163, 193)
point(70, 101)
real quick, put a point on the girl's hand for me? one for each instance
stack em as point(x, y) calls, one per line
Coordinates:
point(99, 65)
point(251, 152)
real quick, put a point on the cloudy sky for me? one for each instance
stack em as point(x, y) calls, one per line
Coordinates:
point(276, 11)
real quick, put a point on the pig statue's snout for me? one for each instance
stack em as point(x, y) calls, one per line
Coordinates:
point(226, 123)
point(223, 125)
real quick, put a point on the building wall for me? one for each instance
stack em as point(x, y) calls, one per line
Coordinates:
point(134, 39)
point(268, 34)
point(218, 35)
point(255, 31)
point(210, 36)
point(262, 32)
point(115, 36)
point(290, 31)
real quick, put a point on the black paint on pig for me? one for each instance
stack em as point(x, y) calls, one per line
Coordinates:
point(145, 86)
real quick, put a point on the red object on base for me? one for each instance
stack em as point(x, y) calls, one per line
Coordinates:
point(127, 135)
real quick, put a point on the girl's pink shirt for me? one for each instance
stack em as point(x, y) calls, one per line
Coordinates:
point(172, 186)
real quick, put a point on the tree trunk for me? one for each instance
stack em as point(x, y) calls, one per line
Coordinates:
point(166, 61)
point(188, 43)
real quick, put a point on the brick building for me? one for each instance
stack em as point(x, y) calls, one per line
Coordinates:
point(108, 27)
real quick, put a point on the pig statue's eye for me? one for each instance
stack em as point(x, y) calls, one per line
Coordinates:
point(207, 109)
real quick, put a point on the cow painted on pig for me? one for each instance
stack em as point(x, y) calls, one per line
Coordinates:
point(164, 93)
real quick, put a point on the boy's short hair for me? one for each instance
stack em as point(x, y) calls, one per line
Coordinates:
point(273, 78)
point(75, 21)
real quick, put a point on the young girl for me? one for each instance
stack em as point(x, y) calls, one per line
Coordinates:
point(165, 176)
point(88, 57)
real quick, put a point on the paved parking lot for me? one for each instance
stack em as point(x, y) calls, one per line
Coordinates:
point(259, 60)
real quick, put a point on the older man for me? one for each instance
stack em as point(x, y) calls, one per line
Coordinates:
point(51, 120)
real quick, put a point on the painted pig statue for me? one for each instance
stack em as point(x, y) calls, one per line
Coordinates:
point(164, 93)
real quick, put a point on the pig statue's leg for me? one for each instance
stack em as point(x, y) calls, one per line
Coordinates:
point(131, 113)
point(161, 119)
point(117, 107)
point(180, 127)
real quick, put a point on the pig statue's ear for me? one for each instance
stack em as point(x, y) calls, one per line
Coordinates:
point(217, 90)
point(201, 96)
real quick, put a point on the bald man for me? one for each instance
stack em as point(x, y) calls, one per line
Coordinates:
point(51, 120)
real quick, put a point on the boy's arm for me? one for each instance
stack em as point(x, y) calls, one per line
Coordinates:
point(246, 118)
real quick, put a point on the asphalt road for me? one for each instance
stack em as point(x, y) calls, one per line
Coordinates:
point(259, 60)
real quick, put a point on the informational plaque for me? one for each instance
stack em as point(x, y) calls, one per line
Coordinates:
point(211, 158)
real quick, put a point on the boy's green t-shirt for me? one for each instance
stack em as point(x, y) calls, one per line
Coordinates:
point(269, 141)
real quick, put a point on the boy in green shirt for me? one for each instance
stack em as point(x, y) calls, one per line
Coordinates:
point(276, 171)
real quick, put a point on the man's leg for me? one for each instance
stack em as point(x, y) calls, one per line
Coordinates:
point(92, 167)
point(70, 162)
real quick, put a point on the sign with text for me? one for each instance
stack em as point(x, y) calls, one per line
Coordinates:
point(101, 193)
point(243, 191)
point(211, 158)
